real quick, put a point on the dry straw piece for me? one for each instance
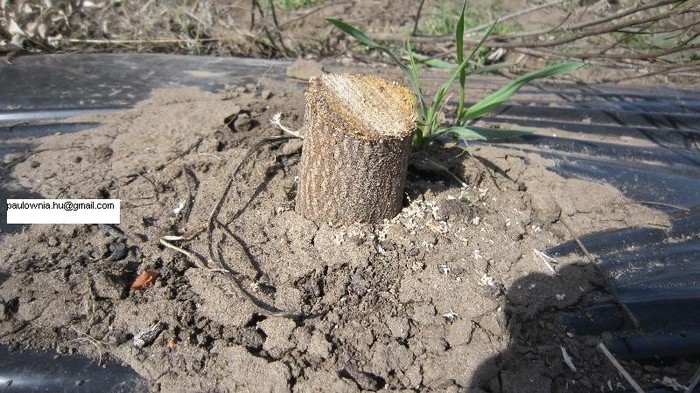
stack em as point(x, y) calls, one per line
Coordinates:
point(356, 148)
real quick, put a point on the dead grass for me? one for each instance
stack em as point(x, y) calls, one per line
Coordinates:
point(658, 40)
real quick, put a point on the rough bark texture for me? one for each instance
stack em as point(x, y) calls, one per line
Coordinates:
point(357, 141)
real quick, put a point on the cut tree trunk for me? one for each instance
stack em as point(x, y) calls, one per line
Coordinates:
point(357, 141)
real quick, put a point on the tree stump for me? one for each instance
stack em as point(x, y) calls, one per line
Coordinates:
point(357, 141)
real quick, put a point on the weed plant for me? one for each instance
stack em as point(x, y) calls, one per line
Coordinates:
point(429, 114)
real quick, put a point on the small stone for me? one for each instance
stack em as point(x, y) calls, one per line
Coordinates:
point(34, 164)
point(147, 336)
point(266, 94)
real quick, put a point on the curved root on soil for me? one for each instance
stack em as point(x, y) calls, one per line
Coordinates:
point(221, 266)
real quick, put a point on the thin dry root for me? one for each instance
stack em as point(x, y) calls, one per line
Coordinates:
point(277, 120)
point(209, 228)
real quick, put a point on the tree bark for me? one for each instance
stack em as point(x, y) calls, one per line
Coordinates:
point(357, 141)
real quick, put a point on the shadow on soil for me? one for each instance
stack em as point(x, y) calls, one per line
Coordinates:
point(555, 319)
point(534, 359)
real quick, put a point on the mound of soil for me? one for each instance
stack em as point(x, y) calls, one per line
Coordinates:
point(449, 295)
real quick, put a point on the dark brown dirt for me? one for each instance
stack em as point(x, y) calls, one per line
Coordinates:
point(449, 295)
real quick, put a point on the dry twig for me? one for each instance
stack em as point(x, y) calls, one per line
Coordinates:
point(546, 259)
point(657, 17)
point(513, 15)
point(415, 25)
point(694, 382)
point(619, 368)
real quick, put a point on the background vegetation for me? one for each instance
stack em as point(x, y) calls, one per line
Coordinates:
point(657, 40)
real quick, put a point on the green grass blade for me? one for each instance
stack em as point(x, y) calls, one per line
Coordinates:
point(442, 91)
point(470, 134)
point(464, 62)
point(355, 33)
point(362, 38)
point(459, 40)
point(463, 133)
point(419, 93)
point(414, 75)
point(365, 40)
point(441, 94)
point(497, 98)
point(432, 62)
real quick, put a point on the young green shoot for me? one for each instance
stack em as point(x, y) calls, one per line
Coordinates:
point(429, 124)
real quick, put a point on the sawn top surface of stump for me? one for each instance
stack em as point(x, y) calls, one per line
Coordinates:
point(366, 107)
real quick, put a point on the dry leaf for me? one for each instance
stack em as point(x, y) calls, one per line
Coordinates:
point(145, 279)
